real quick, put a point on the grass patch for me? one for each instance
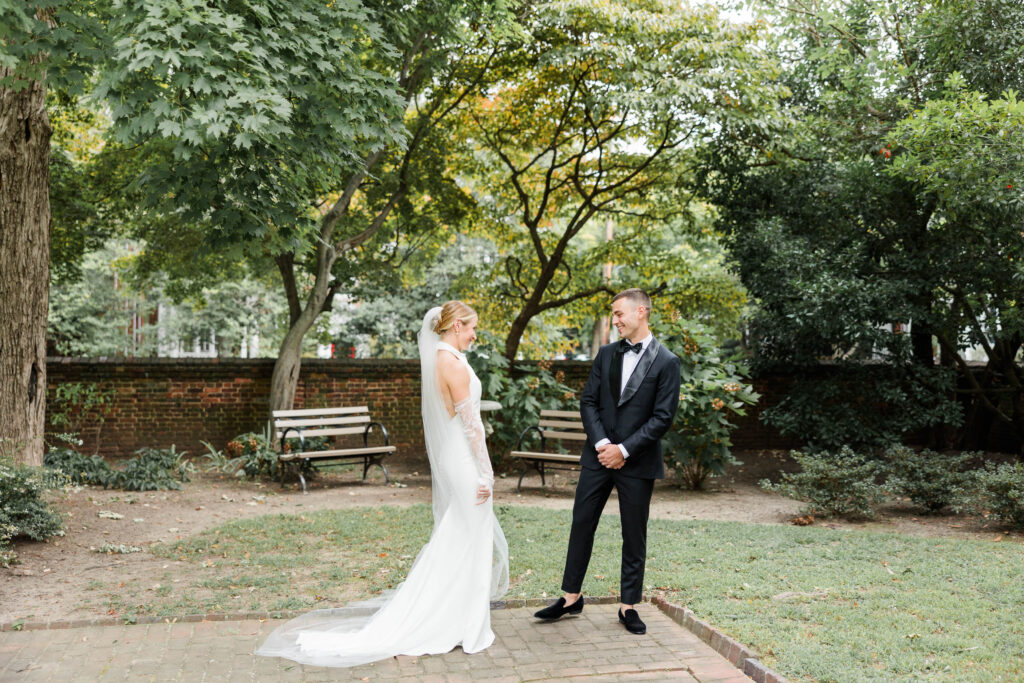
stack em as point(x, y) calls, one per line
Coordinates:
point(818, 604)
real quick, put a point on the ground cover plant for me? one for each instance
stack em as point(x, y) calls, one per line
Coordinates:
point(150, 469)
point(816, 603)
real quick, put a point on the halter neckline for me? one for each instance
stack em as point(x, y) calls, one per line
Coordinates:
point(449, 347)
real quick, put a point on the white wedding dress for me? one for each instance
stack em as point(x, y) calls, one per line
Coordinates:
point(444, 601)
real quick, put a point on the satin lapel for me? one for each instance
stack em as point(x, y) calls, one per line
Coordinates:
point(615, 374)
point(642, 368)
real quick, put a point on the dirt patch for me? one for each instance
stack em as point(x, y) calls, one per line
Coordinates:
point(55, 579)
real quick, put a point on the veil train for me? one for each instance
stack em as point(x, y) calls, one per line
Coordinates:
point(444, 601)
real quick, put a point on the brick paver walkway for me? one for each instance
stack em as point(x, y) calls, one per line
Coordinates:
point(593, 645)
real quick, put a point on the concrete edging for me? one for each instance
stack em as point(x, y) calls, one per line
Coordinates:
point(742, 657)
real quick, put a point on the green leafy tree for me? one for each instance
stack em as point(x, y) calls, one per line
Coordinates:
point(850, 253)
point(594, 116)
point(296, 129)
point(965, 150)
point(108, 311)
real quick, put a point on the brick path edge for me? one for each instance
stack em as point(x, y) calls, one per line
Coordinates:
point(742, 657)
point(39, 625)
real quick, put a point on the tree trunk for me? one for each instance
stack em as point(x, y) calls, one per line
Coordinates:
point(24, 269)
point(285, 379)
point(517, 329)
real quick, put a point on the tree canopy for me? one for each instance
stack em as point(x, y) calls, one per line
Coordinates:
point(856, 224)
point(595, 116)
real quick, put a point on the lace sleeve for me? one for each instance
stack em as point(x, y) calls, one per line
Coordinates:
point(474, 430)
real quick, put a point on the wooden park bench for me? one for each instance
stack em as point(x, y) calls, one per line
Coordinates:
point(332, 422)
point(557, 425)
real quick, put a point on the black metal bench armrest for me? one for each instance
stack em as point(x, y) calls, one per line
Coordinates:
point(519, 443)
point(284, 437)
point(383, 429)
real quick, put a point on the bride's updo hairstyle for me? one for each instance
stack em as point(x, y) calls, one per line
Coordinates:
point(453, 311)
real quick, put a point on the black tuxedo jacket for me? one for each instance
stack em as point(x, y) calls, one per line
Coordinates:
point(639, 417)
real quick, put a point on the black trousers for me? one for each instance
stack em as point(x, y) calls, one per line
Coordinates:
point(592, 493)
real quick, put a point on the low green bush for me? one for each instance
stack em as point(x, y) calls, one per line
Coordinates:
point(996, 492)
point(153, 469)
point(150, 469)
point(254, 452)
point(23, 510)
point(930, 480)
point(833, 484)
point(79, 468)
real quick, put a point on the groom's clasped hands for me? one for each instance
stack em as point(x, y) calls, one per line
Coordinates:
point(610, 456)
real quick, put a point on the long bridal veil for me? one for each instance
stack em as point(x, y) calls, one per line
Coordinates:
point(436, 435)
point(412, 618)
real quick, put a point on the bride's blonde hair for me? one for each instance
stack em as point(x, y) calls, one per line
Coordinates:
point(453, 311)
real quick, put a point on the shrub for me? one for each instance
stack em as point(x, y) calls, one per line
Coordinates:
point(864, 405)
point(254, 452)
point(150, 469)
point(833, 485)
point(997, 493)
point(522, 390)
point(23, 511)
point(931, 480)
point(79, 468)
point(712, 391)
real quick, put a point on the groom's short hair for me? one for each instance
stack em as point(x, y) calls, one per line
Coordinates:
point(638, 296)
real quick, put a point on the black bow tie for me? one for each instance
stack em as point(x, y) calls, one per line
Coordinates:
point(625, 346)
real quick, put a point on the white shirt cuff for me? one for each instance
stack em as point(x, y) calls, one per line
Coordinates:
point(602, 442)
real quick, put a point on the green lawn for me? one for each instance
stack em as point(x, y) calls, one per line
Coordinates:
point(817, 604)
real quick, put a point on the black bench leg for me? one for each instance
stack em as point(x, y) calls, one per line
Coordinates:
point(368, 461)
point(282, 470)
point(534, 464)
point(302, 478)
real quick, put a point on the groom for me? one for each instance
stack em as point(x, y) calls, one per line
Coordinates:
point(627, 405)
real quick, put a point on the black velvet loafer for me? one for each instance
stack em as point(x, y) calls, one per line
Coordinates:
point(631, 620)
point(559, 610)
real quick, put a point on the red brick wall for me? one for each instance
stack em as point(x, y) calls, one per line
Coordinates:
point(160, 402)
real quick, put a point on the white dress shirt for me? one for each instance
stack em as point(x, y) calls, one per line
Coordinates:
point(630, 359)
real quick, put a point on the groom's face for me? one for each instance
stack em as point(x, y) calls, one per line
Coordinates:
point(626, 316)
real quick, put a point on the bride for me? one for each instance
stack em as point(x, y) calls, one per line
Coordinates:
point(445, 600)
